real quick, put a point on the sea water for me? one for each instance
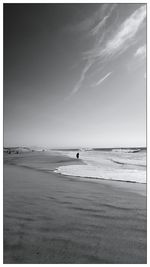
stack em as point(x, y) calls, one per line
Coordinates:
point(127, 165)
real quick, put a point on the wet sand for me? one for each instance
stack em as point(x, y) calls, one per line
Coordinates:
point(52, 218)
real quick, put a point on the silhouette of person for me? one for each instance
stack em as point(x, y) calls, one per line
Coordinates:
point(77, 155)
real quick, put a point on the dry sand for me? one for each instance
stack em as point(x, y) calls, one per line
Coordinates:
point(51, 218)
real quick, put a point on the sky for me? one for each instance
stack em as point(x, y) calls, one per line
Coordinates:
point(75, 75)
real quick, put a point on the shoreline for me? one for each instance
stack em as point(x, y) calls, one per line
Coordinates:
point(52, 218)
point(61, 160)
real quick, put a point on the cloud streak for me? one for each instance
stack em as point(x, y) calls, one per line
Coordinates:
point(84, 71)
point(98, 27)
point(102, 79)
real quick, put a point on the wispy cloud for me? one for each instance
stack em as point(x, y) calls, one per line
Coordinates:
point(108, 43)
point(122, 38)
point(138, 59)
point(98, 26)
point(104, 16)
point(140, 52)
point(95, 30)
point(84, 71)
point(102, 79)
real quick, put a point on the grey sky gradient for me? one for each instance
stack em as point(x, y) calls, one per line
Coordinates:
point(74, 75)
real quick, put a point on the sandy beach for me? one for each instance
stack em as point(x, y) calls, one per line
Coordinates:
point(53, 218)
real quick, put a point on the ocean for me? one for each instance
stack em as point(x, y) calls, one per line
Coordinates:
point(128, 165)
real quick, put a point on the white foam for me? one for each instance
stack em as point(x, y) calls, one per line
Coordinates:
point(120, 150)
point(93, 172)
point(107, 165)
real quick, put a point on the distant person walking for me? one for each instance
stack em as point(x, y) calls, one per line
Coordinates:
point(77, 155)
